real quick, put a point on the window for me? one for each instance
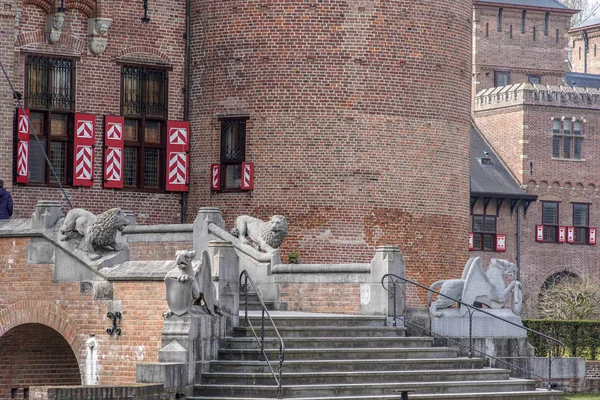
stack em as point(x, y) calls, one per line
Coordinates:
point(501, 78)
point(534, 79)
point(557, 36)
point(487, 29)
point(581, 214)
point(534, 33)
point(546, 23)
point(233, 151)
point(523, 17)
point(567, 139)
point(550, 220)
point(510, 32)
point(144, 107)
point(484, 232)
point(500, 20)
point(49, 97)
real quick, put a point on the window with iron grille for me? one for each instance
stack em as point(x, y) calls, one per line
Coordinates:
point(581, 216)
point(144, 107)
point(484, 232)
point(49, 95)
point(567, 139)
point(550, 220)
point(233, 151)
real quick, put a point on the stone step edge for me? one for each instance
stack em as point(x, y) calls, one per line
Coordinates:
point(359, 373)
point(478, 395)
point(363, 360)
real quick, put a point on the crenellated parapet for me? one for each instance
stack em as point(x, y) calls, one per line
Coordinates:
point(540, 95)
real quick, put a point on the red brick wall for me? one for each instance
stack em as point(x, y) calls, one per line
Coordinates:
point(97, 90)
point(577, 48)
point(34, 354)
point(358, 123)
point(519, 54)
point(28, 296)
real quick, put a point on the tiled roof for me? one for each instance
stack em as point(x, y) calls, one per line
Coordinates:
point(578, 79)
point(529, 3)
point(491, 179)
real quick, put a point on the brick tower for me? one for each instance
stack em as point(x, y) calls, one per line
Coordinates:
point(355, 115)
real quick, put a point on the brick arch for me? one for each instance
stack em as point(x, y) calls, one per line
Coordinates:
point(45, 5)
point(131, 52)
point(74, 45)
point(88, 7)
point(45, 313)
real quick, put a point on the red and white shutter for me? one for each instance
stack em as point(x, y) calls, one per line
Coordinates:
point(592, 236)
point(539, 233)
point(114, 141)
point(562, 234)
point(501, 242)
point(178, 161)
point(83, 147)
point(471, 241)
point(23, 146)
point(215, 176)
point(247, 176)
point(570, 234)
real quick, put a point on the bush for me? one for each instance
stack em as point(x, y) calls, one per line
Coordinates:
point(581, 338)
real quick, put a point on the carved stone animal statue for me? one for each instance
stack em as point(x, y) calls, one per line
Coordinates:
point(266, 236)
point(189, 289)
point(476, 285)
point(96, 230)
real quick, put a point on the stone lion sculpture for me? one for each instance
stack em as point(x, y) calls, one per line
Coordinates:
point(95, 230)
point(487, 288)
point(264, 235)
point(189, 289)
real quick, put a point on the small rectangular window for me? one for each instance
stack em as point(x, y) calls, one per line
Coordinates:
point(550, 220)
point(487, 30)
point(500, 20)
point(523, 18)
point(581, 214)
point(233, 151)
point(510, 32)
point(557, 36)
point(534, 79)
point(577, 142)
point(501, 78)
point(567, 147)
point(546, 23)
point(556, 147)
point(567, 127)
point(577, 125)
point(534, 33)
point(484, 232)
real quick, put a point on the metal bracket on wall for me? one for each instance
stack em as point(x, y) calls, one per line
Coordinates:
point(145, 18)
point(114, 329)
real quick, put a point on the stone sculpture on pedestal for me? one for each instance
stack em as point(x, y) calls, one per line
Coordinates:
point(93, 231)
point(262, 235)
point(191, 290)
point(487, 288)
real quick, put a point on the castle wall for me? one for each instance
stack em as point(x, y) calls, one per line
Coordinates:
point(577, 48)
point(358, 123)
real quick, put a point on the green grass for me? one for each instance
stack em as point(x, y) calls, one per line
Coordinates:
point(582, 396)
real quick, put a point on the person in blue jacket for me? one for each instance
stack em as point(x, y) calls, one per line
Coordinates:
point(6, 202)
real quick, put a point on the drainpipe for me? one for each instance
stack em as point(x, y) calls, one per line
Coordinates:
point(186, 97)
point(518, 235)
point(586, 48)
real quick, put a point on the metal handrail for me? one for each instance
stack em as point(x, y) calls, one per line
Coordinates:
point(244, 287)
point(393, 280)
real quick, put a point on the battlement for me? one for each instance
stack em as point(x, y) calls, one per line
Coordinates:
point(541, 95)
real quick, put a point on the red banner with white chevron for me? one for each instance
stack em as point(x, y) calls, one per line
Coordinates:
point(215, 176)
point(178, 165)
point(114, 142)
point(83, 145)
point(247, 176)
point(23, 146)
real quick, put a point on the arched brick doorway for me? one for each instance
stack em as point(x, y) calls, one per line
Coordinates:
point(35, 355)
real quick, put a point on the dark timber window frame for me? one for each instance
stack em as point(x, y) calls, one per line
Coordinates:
point(50, 98)
point(567, 139)
point(144, 105)
point(233, 151)
point(550, 213)
point(534, 79)
point(484, 232)
point(581, 223)
point(501, 74)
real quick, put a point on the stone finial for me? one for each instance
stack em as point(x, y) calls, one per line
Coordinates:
point(46, 214)
point(97, 32)
point(54, 25)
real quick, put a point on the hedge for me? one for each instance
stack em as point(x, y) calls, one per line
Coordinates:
point(582, 338)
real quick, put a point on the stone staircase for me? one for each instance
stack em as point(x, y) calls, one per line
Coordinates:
point(338, 357)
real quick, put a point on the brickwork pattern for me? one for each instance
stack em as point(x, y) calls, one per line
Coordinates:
point(129, 40)
point(520, 54)
point(346, 140)
point(28, 296)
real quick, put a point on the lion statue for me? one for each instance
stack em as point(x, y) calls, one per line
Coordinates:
point(96, 230)
point(266, 236)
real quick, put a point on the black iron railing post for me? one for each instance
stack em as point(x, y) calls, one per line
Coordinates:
point(394, 292)
point(549, 366)
point(471, 333)
point(262, 332)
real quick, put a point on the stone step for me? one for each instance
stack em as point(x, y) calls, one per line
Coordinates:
point(255, 305)
point(349, 365)
point(303, 320)
point(533, 395)
point(321, 331)
point(319, 378)
point(339, 354)
point(367, 389)
point(330, 342)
